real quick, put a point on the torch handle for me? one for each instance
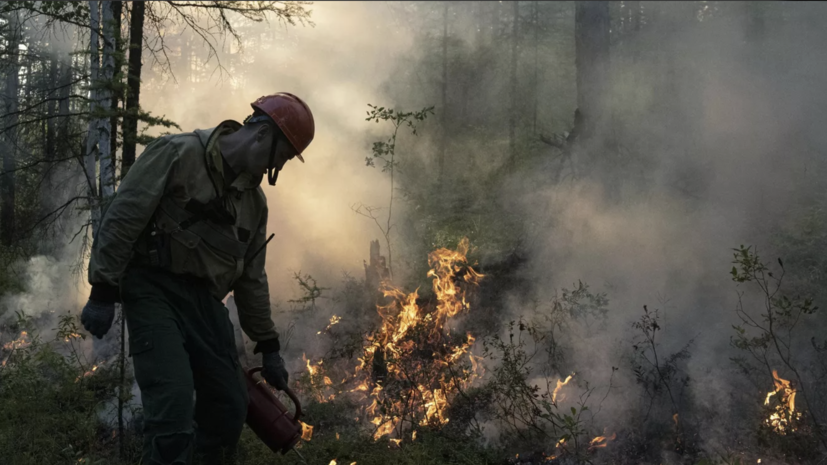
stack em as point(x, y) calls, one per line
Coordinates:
point(293, 397)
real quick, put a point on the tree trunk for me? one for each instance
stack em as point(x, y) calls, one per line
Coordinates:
point(50, 111)
point(104, 128)
point(634, 15)
point(512, 117)
point(92, 138)
point(536, 84)
point(8, 178)
point(591, 41)
point(62, 143)
point(444, 116)
point(755, 23)
point(479, 19)
point(133, 86)
point(117, 93)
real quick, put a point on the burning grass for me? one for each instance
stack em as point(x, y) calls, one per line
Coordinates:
point(415, 363)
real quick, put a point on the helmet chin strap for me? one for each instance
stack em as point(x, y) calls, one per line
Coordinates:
point(272, 172)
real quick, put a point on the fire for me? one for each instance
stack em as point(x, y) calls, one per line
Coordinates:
point(22, 341)
point(784, 414)
point(307, 431)
point(413, 365)
point(332, 462)
point(89, 372)
point(560, 384)
point(601, 441)
point(560, 443)
point(333, 321)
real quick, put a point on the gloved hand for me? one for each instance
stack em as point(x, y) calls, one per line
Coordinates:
point(273, 370)
point(97, 317)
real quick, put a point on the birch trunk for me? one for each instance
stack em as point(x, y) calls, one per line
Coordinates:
point(92, 138)
point(104, 126)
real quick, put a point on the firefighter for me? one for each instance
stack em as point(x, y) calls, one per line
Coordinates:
point(187, 226)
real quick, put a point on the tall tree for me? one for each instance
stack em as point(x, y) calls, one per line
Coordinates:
point(512, 114)
point(10, 131)
point(105, 85)
point(117, 91)
point(444, 113)
point(92, 136)
point(591, 42)
point(133, 86)
point(634, 15)
point(51, 132)
point(535, 23)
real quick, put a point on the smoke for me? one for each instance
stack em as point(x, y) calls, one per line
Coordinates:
point(725, 158)
point(719, 140)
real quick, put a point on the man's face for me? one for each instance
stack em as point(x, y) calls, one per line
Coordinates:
point(258, 150)
point(261, 158)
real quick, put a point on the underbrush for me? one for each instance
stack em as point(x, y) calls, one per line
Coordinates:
point(338, 436)
point(516, 392)
point(56, 406)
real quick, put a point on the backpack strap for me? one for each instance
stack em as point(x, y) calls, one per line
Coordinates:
point(207, 232)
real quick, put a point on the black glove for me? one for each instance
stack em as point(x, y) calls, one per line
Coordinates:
point(273, 370)
point(97, 317)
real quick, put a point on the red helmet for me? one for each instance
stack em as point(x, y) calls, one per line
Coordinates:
point(292, 116)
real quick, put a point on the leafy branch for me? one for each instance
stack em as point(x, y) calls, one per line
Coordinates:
point(386, 152)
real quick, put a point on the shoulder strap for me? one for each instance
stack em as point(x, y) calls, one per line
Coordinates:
point(195, 224)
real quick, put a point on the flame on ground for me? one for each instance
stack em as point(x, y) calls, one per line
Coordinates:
point(307, 431)
point(783, 417)
point(333, 321)
point(412, 367)
point(560, 443)
point(601, 441)
point(22, 341)
point(89, 372)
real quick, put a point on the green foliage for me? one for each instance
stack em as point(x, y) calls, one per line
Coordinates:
point(73, 12)
point(770, 333)
point(658, 375)
point(50, 399)
point(780, 313)
point(386, 150)
point(528, 413)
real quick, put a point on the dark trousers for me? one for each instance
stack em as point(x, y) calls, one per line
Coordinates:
point(181, 341)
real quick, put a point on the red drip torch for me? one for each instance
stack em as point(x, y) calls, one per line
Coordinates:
point(269, 418)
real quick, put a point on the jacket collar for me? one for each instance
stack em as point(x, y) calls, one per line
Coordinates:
point(209, 140)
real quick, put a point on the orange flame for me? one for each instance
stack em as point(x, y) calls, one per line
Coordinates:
point(22, 341)
point(601, 441)
point(560, 443)
point(307, 431)
point(412, 366)
point(560, 385)
point(784, 415)
point(334, 320)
